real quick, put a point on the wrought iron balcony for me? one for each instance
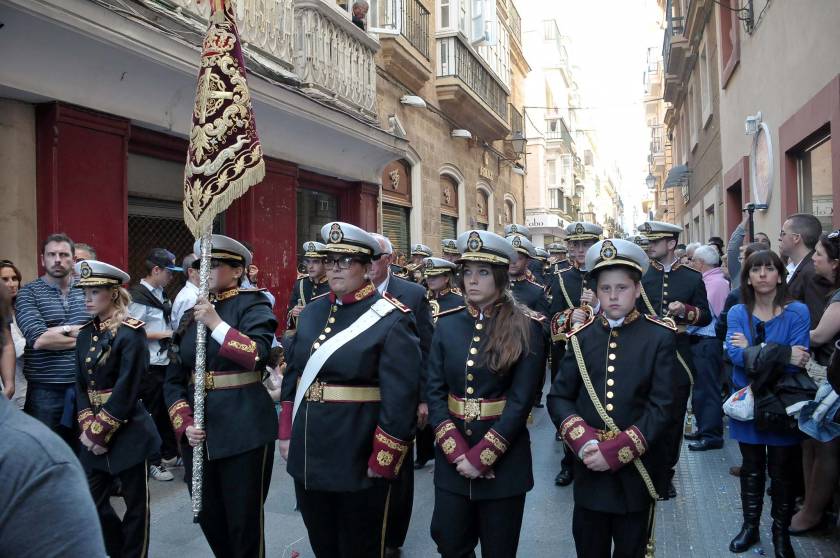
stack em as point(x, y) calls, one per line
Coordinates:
point(675, 46)
point(403, 27)
point(517, 122)
point(414, 25)
point(469, 91)
point(515, 22)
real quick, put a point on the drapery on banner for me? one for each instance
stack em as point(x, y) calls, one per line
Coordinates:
point(224, 157)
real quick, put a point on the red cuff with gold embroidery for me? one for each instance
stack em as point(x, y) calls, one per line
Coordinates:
point(560, 325)
point(624, 448)
point(284, 431)
point(388, 454)
point(575, 432)
point(102, 428)
point(450, 441)
point(85, 417)
point(692, 314)
point(239, 348)
point(181, 416)
point(487, 451)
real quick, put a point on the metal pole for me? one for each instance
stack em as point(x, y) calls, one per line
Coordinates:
point(200, 373)
point(751, 222)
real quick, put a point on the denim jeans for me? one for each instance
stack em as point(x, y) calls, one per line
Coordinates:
point(46, 402)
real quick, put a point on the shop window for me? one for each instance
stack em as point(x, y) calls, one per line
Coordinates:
point(314, 210)
point(814, 186)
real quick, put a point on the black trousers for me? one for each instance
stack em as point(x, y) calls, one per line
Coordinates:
point(129, 537)
point(151, 392)
point(706, 400)
point(400, 505)
point(595, 532)
point(345, 524)
point(425, 444)
point(235, 489)
point(458, 524)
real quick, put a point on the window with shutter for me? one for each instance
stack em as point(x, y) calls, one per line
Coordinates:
point(395, 226)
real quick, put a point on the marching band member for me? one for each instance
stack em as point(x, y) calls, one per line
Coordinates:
point(240, 423)
point(612, 403)
point(484, 369)
point(349, 401)
point(308, 286)
point(118, 434)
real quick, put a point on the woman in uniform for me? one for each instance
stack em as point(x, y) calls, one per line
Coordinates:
point(349, 401)
point(484, 368)
point(240, 422)
point(117, 433)
point(443, 295)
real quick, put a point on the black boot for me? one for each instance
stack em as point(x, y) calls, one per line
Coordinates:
point(781, 508)
point(752, 497)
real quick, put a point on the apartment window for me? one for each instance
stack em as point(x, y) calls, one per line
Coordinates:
point(711, 226)
point(498, 55)
point(686, 137)
point(444, 14)
point(691, 110)
point(551, 172)
point(729, 31)
point(555, 198)
point(566, 171)
point(705, 85)
point(814, 187)
point(550, 30)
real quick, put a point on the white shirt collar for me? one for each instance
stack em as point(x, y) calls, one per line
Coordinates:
point(382, 287)
point(615, 323)
point(670, 265)
point(155, 291)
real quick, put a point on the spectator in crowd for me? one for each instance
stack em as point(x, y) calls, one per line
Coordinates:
point(679, 253)
point(360, 10)
point(688, 259)
point(821, 460)
point(766, 317)
point(251, 276)
point(797, 240)
point(734, 251)
point(84, 252)
point(762, 238)
point(46, 506)
point(50, 314)
point(16, 343)
point(151, 306)
point(708, 356)
point(717, 242)
point(186, 297)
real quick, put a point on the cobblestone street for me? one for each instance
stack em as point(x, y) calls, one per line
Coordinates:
point(698, 524)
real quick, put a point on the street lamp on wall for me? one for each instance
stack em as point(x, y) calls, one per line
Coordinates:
point(650, 181)
point(518, 142)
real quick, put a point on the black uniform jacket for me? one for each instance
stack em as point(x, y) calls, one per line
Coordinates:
point(632, 369)
point(413, 296)
point(444, 302)
point(500, 443)
point(333, 443)
point(537, 269)
point(528, 292)
point(303, 292)
point(236, 419)
point(681, 284)
point(805, 285)
point(109, 370)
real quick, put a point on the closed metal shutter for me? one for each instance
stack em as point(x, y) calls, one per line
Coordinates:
point(448, 227)
point(395, 226)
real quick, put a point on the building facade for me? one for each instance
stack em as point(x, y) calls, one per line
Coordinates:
point(752, 93)
point(96, 108)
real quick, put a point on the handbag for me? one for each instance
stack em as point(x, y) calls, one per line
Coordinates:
point(740, 405)
point(777, 408)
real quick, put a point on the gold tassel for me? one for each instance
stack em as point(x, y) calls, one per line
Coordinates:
point(235, 189)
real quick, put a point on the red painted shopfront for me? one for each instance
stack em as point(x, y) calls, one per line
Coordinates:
point(82, 189)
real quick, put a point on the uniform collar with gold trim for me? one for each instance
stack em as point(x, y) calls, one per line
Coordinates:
point(628, 319)
point(489, 311)
point(102, 325)
point(527, 276)
point(441, 294)
point(320, 281)
point(361, 293)
point(224, 295)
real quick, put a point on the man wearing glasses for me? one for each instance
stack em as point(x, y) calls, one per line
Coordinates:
point(309, 285)
point(797, 241)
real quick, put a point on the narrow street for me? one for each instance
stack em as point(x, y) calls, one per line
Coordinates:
point(699, 524)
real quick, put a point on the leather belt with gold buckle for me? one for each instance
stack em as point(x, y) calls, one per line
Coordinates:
point(229, 380)
point(475, 408)
point(322, 392)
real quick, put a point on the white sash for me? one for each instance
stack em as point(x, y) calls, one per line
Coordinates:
point(379, 310)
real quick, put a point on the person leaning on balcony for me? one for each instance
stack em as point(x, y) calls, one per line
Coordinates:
point(360, 10)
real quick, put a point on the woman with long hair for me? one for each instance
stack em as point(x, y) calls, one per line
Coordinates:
point(821, 460)
point(443, 295)
point(240, 422)
point(11, 277)
point(766, 317)
point(349, 400)
point(484, 367)
point(118, 435)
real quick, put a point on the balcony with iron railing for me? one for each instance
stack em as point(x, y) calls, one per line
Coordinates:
point(469, 92)
point(312, 43)
point(515, 22)
point(675, 52)
point(404, 33)
point(517, 121)
point(557, 130)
